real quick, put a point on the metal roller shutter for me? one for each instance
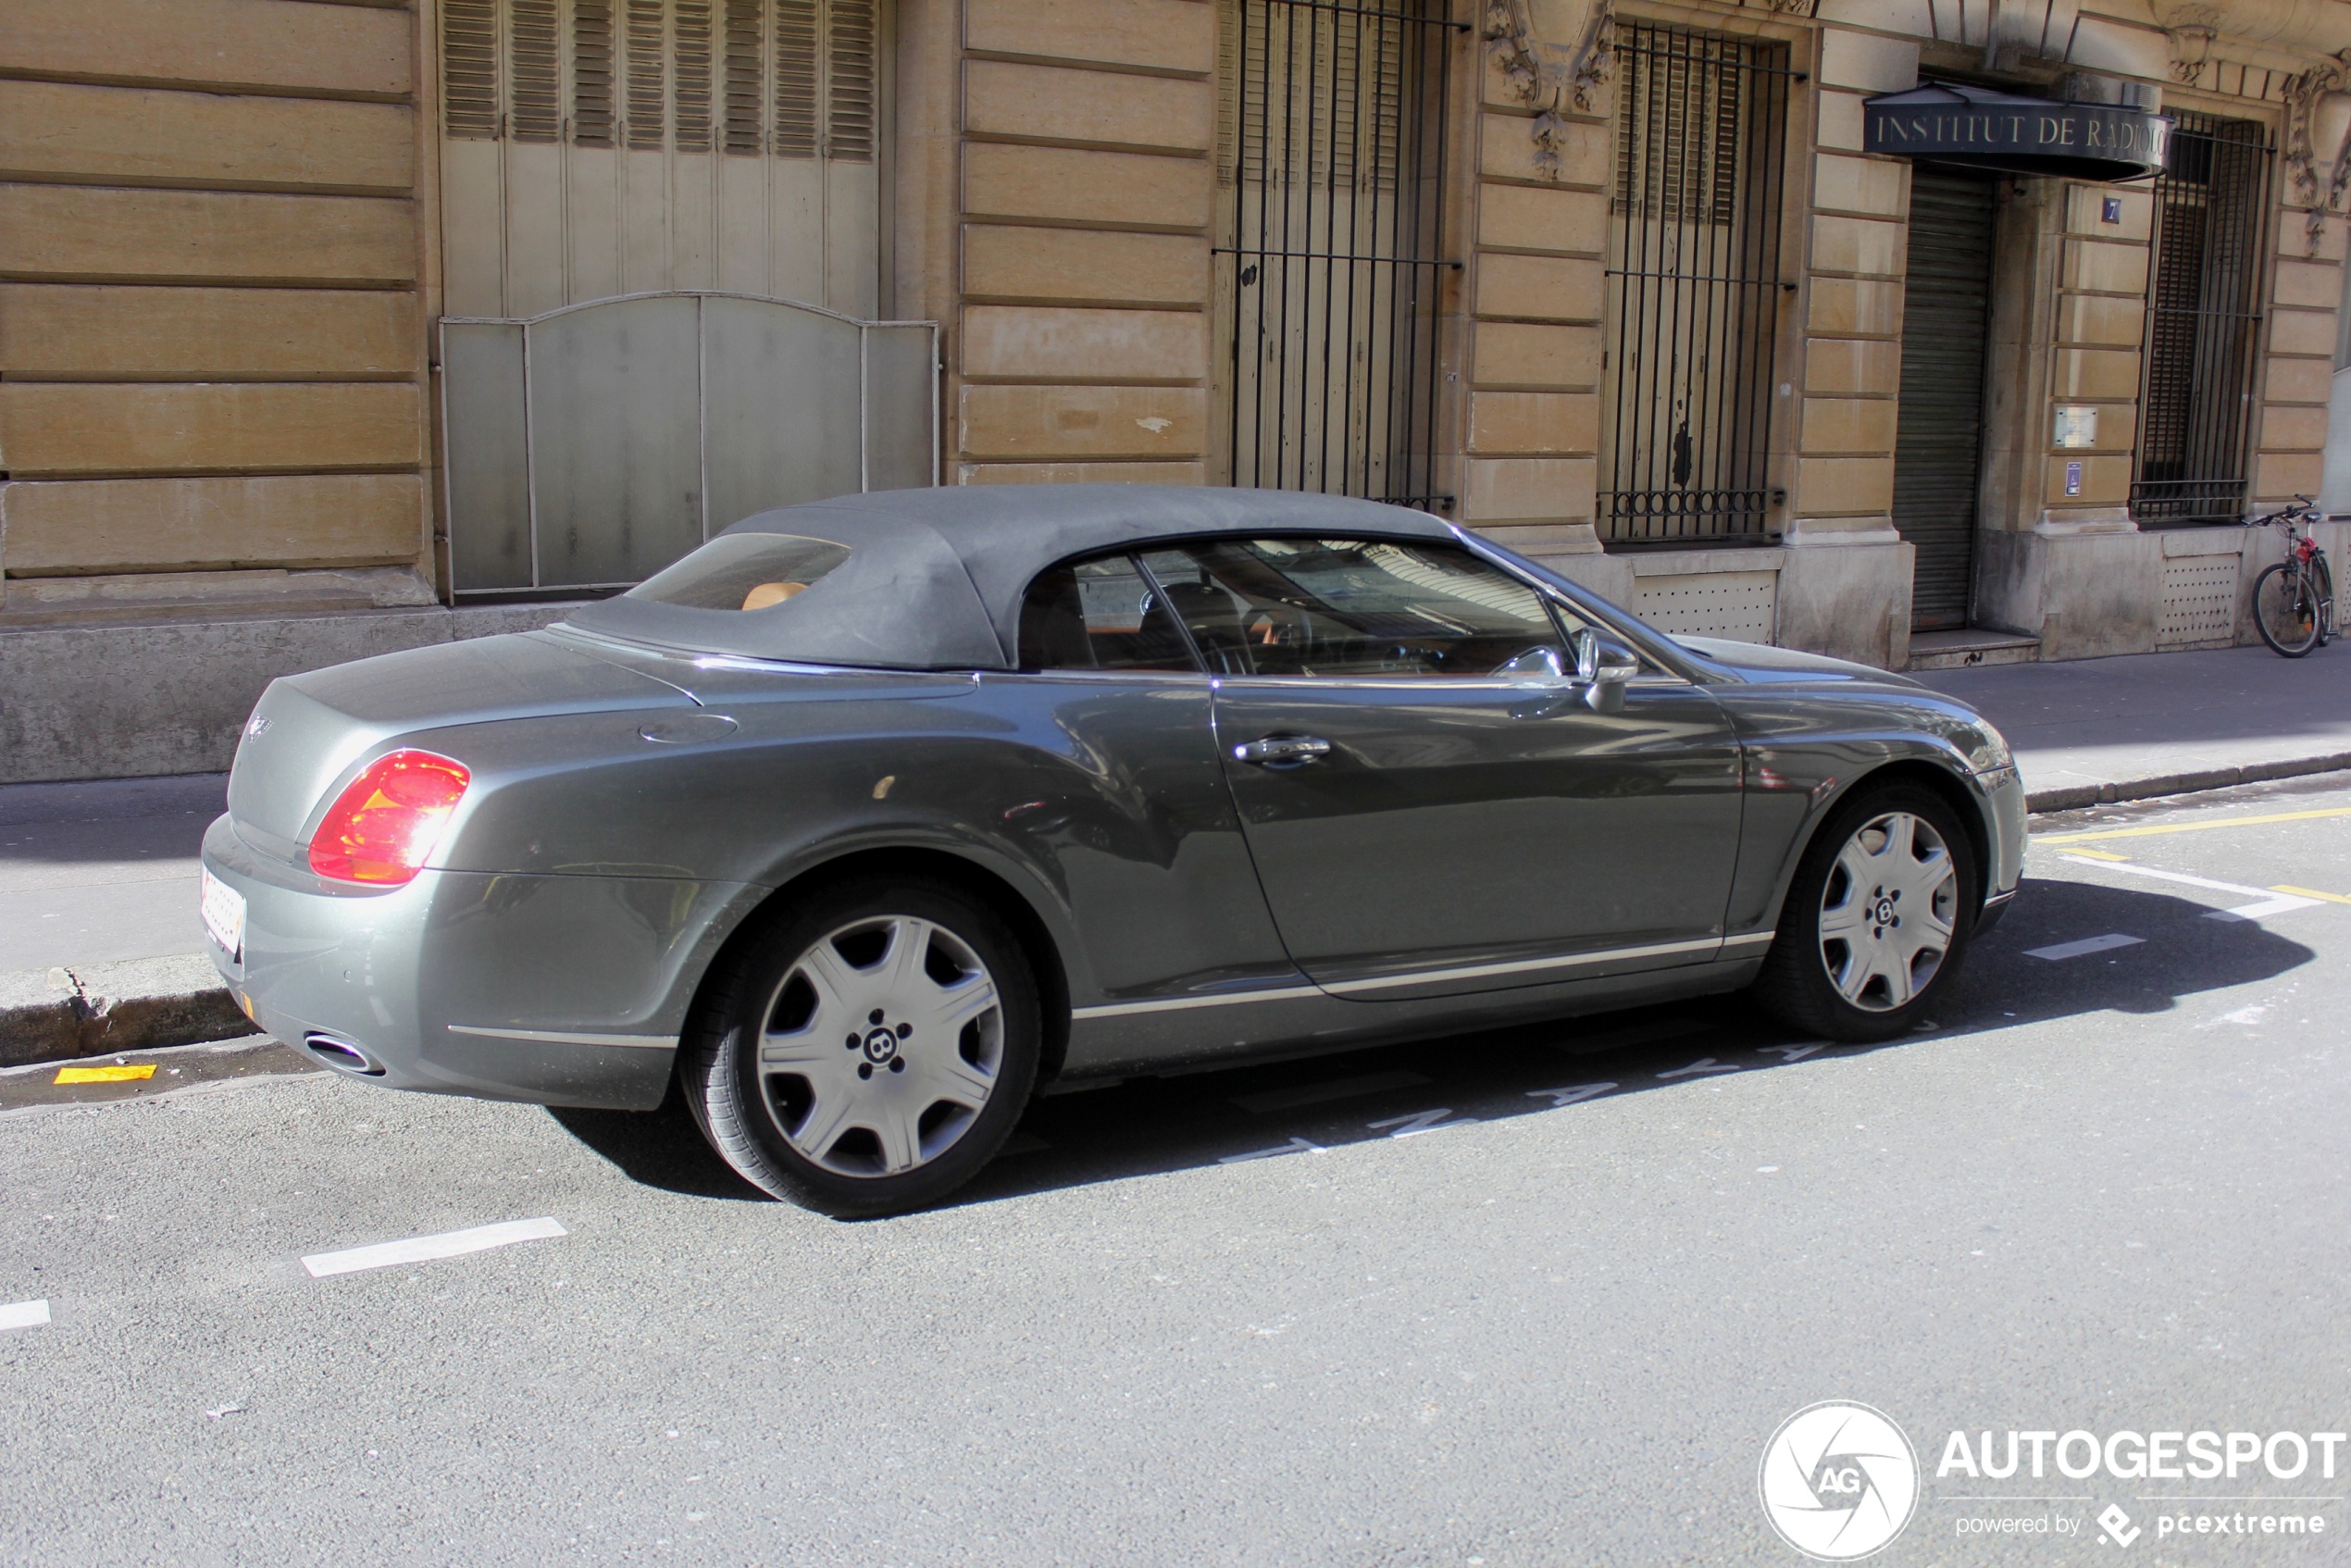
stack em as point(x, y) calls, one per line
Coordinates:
point(1938, 448)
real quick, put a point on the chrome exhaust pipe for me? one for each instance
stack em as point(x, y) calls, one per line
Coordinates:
point(341, 1055)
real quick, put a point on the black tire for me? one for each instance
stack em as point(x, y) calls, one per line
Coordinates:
point(841, 1164)
point(2288, 611)
point(1796, 984)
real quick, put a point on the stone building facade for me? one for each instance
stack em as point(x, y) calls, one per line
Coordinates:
point(308, 345)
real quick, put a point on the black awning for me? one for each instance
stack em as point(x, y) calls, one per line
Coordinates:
point(1966, 126)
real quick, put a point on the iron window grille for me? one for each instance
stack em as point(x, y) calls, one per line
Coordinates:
point(2203, 324)
point(1331, 153)
point(1693, 286)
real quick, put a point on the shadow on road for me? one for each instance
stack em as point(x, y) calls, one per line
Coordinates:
point(1152, 1124)
point(661, 1149)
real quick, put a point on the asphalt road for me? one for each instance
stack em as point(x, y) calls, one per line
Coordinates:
point(1539, 1299)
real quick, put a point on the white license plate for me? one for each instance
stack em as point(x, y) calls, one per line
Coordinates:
point(224, 914)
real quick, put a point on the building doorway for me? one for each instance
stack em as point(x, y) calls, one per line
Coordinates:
point(1939, 444)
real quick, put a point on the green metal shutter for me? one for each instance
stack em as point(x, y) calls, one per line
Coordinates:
point(1938, 451)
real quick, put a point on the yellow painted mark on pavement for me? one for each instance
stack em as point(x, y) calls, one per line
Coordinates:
point(2188, 826)
point(2099, 854)
point(2311, 894)
point(105, 1075)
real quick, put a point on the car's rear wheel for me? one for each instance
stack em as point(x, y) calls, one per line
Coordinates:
point(869, 1050)
point(1877, 920)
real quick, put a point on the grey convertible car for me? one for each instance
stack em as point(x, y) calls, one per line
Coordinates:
point(872, 817)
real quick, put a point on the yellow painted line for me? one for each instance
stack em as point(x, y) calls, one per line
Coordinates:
point(2188, 826)
point(2312, 893)
point(2099, 854)
point(105, 1075)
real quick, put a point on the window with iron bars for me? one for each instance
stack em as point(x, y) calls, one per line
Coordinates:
point(1331, 165)
point(2203, 323)
point(1693, 286)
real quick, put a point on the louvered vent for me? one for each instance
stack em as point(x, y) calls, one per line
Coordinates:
point(744, 110)
point(1322, 101)
point(799, 79)
point(798, 82)
point(648, 56)
point(470, 70)
point(692, 58)
point(849, 118)
point(535, 113)
point(593, 101)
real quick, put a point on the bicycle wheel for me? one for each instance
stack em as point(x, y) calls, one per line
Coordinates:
point(2323, 576)
point(2286, 611)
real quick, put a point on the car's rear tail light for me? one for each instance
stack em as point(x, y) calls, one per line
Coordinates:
point(380, 828)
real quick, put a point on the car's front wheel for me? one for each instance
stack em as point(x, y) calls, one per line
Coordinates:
point(868, 1050)
point(1877, 919)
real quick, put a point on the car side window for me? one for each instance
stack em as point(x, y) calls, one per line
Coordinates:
point(1098, 615)
point(1353, 607)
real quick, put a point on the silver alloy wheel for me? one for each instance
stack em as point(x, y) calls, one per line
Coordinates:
point(882, 1046)
point(1888, 912)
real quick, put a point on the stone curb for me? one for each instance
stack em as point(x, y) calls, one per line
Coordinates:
point(58, 1014)
point(2076, 795)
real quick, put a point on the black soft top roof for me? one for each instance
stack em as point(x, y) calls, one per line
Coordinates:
point(933, 578)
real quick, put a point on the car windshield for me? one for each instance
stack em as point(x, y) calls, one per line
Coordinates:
point(744, 571)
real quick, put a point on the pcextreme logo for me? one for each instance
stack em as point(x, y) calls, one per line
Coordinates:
point(1838, 1480)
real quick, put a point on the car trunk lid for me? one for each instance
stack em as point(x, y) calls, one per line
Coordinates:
point(308, 730)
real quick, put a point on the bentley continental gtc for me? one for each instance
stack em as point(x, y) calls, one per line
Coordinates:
point(871, 819)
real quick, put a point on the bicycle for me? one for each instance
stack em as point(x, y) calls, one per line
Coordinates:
point(2293, 601)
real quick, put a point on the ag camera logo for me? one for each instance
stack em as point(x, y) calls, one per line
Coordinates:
point(1838, 1480)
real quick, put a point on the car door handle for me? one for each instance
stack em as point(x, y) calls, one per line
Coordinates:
point(1283, 751)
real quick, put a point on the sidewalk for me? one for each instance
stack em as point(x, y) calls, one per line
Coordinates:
point(2092, 731)
point(100, 948)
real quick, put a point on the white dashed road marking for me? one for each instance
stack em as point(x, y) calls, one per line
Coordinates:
point(425, 1249)
point(24, 1315)
point(2086, 945)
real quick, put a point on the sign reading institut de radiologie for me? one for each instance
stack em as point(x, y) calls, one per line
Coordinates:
point(2008, 134)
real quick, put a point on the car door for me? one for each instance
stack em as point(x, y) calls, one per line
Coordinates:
point(1127, 805)
point(1425, 818)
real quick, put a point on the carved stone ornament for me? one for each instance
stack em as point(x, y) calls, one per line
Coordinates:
point(2191, 48)
point(1547, 78)
point(2303, 97)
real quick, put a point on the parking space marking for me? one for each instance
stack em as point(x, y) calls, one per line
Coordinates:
point(426, 1249)
point(2262, 910)
point(2086, 945)
point(1337, 1089)
point(24, 1315)
point(1574, 1095)
point(1420, 1122)
point(2265, 902)
point(1703, 1064)
point(2151, 831)
point(1295, 1146)
point(2310, 893)
point(2183, 878)
point(116, 1075)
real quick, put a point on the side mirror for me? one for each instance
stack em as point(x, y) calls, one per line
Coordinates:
point(1602, 666)
point(1536, 666)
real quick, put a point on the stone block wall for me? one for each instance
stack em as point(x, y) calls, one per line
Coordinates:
point(1080, 310)
point(212, 296)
